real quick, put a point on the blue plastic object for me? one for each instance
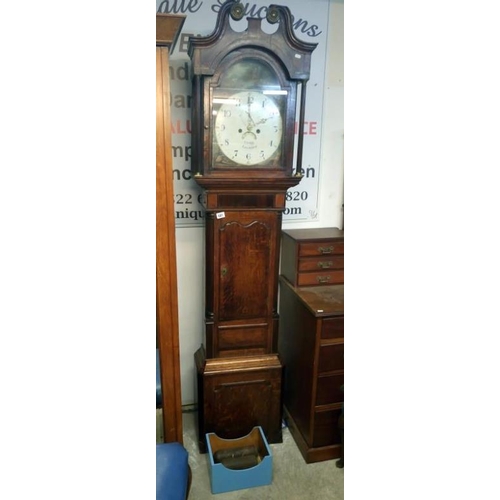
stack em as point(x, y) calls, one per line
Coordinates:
point(223, 479)
point(172, 471)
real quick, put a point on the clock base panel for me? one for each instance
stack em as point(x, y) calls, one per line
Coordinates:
point(236, 394)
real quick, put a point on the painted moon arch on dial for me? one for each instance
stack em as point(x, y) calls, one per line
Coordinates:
point(248, 128)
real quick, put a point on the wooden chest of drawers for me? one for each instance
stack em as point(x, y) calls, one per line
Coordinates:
point(311, 347)
point(313, 257)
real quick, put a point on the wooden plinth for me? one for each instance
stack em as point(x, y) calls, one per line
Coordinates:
point(237, 394)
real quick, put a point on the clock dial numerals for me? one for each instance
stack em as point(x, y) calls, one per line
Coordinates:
point(248, 128)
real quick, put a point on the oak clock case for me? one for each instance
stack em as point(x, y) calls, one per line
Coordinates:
point(245, 103)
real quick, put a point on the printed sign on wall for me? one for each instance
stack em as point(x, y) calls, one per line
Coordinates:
point(310, 21)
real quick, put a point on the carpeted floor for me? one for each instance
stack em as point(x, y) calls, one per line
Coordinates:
point(293, 479)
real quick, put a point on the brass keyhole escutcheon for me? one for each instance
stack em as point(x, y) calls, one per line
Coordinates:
point(223, 271)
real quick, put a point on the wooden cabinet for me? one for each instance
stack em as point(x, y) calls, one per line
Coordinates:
point(313, 257)
point(311, 348)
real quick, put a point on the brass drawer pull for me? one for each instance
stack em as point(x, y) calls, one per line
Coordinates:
point(325, 264)
point(325, 250)
point(323, 279)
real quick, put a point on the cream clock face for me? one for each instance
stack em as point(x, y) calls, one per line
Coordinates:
point(248, 127)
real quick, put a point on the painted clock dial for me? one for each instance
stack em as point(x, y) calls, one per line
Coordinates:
point(248, 127)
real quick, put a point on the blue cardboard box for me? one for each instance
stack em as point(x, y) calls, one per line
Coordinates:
point(223, 479)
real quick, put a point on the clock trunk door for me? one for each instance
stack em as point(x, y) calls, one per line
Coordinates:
point(247, 266)
point(246, 258)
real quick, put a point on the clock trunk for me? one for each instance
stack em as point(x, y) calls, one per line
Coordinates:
point(242, 259)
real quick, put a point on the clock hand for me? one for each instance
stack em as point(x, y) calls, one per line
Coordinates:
point(250, 116)
point(249, 106)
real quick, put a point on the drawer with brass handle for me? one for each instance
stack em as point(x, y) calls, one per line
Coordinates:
point(331, 357)
point(314, 249)
point(320, 278)
point(329, 389)
point(318, 263)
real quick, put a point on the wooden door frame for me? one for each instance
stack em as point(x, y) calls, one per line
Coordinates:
point(167, 31)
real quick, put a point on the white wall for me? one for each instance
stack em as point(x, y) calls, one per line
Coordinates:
point(191, 289)
point(190, 241)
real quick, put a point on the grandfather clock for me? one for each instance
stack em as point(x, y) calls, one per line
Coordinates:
point(249, 89)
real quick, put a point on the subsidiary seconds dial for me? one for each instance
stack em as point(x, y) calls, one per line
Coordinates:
point(248, 127)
